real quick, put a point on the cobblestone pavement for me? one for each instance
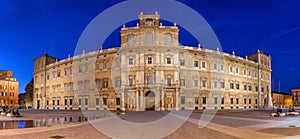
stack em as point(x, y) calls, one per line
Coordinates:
point(225, 124)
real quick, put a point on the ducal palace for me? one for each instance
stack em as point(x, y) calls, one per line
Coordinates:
point(151, 71)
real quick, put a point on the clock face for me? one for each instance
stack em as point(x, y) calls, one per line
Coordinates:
point(149, 23)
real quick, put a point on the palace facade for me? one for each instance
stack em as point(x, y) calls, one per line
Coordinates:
point(151, 71)
point(8, 89)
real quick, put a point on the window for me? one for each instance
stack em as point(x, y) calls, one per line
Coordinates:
point(53, 102)
point(86, 101)
point(250, 88)
point(47, 102)
point(196, 83)
point(215, 84)
point(65, 87)
point(71, 101)
point(222, 100)
point(118, 101)
point(130, 39)
point(104, 64)
point(58, 88)
point(66, 101)
point(150, 80)
point(58, 73)
point(256, 101)
point(168, 60)
point(53, 88)
point(231, 69)
point(182, 99)
point(222, 67)
point(249, 73)
point(203, 64)
point(182, 82)
point(195, 63)
point(203, 100)
point(203, 83)
point(231, 100)
point(118, 82)
point(182, 62)
point(222, 84)
point(262, 89)
point(47, 77)
point(149, 60)
point(130, 81)
point(237, 70)
point(97, 101)
point(255, 74)
point(57, 102)
point(79, 101)
point(256, 88)
point(80, 69)
point(169, 80)
point(215, 100)
point(66, 72)
point(80, 85)
point(105, 83)
point(130, 61)
point(237, 86)
point(215, 66)
point(168, 39)
point(104, 101)
point(71, 86)
point(149, 39)
point(97, 66)
point(231, 86)
point(245, 87)
point(196, 100)
point(86, 84)
point(97, 83)
point(245, 101)
point(249, 101)
point(86, 67)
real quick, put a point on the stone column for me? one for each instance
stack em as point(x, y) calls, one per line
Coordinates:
point(123, 100)
point(176, 105)
point(162, 100)
point(137, 100)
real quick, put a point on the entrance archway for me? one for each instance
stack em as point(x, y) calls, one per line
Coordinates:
point(150, 101)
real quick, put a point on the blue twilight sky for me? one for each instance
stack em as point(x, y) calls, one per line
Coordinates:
point(28, 28)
